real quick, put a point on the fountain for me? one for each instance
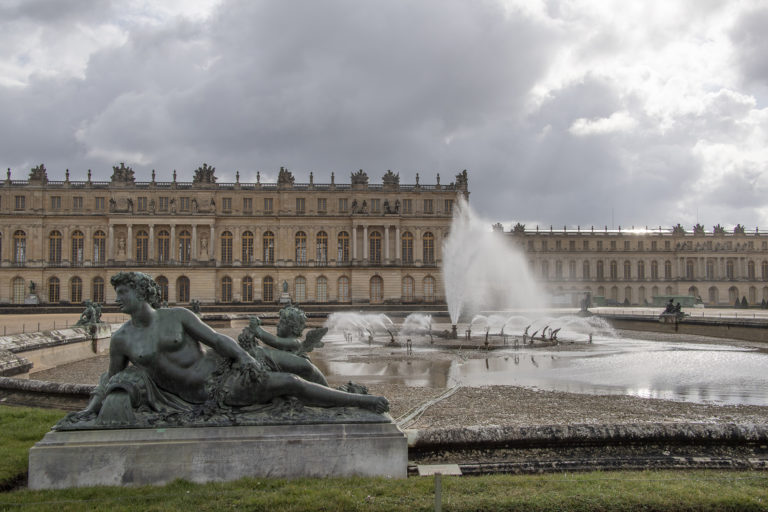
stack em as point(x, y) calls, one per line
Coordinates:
point(483, 271)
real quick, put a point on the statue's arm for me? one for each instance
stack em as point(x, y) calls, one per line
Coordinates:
point(287, 344)
point(223, 345)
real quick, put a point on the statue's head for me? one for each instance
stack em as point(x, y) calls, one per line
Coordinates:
point(292, 322)
point(146, 287)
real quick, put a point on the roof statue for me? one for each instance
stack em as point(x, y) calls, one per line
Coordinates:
point(738, 229)
point(519, 228)
point(678, 230)
point(122, 174)
point(204, 174)
point(698, 229)
point(359, 178)
point(38, 174)
point(391, 178)
point(285, 177)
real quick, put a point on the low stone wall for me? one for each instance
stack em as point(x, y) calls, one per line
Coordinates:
point(746, 329)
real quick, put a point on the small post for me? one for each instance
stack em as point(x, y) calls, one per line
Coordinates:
point(438, 492)
point(38, 326)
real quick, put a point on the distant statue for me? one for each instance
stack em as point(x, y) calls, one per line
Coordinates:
point(204, 248)
point(112, 204)
point(195, 304)
point(194, 205)
point(354, 206)
point(91, 314)
point(670, 309)
point(173, 205)
point(397, 206)
point(130, 205)
point(285, 286)
point(364, 207)
point(387, 208)
point(152, 206)
point(32, 287)
point(121, 246)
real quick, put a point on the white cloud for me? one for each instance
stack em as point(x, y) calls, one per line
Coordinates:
point(617, 122)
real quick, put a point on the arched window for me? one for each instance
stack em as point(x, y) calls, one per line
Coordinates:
point(614, 270)
point(429, 289)
point(407, 289)
point(97, 289)
point(654, 291)
point(668, 270)
point(733, 295)
point(321, 249)
point(163, 246)
point(406, 241)
point(764, 270)
point(585, 270)
point(75, 290)
point(268, 245)
point(641, 273)
point(247, 243)
point(600, 269)
point(19, 247)
point(628, 294)
point(99, 247)
point(668, 290)
point(654, 270)
point(627, 270)
point(751, 273)
point(729, 271)
point(713, 296)
point(376, 290)
point(343, 289)
point(54, 248)
point(429, 248)
point(162, 282)
point(689, 275)
point(641, 297)
point(571, 269)
point(322, 289)
point(226, 250)
point(693, 291)
point(752, 295)
point(301, 248)
point(343, 247)
point(558, 269)
point(19, 290)
point(247, 295)
point(601, 291)
point(182, 289)
point(615, 293)
point(142, 246)
point(226, 289)
point(268, 289)
point(185, 247)
point(300, 289)
point(544, 269)
point(711, 270)
point(374, 247)
point(78, 254)
point(54, 288)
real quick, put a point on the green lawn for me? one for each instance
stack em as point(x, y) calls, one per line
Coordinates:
point(651, 490)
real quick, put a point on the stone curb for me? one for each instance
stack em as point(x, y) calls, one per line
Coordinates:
point(40, 386)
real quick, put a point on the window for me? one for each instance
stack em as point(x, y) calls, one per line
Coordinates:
point(600, 270)
point(343, 205)
point(226, 247)
point(667, 245)
point(654, 270)
point(247, 249)
point(558, 269)
point(376, 287)
point(321, 252)
point(711, 270)
point(640, 245)
point(654, 245)
point(267, 205)
point(427, 206)
point(322, 204)
point(97, 289)
point(247, 204)
point(226, 204)
point(75, 290)
point(54, 288)
point(226, 289)
point(627, 270)
point(182, 289)
point(343, 247)
point(375, 205)
point(429, 289)
point(300, 289)
point(54, 247)
point(301, 248)
point(77, 203)
point(407, 206)
point(586, 245)
point(545, 269)
point(141, 204)
point(729, 269)
point(184, 204)
point(613, 245)
point(626, 245)
point(268, 289)
point(571, 270)
point(599, 245)
point(343, 289)
point(448, 206)
point(614, 270)
point(407, 289)
point(407, 248)
point(374, 247)
point(163, 246)
point(322, 289)
point(163, 204)
point(641, 270)
point(247, 294)
point(300, 205)
point(751, 271)
point(185, 247)
point(55, 202)
point(571, 245)
point(162, 282)
point(19, 290)
point(667, 269)
point(19, 203)
point(19, 247)
point(689, 270)
point(78, 253)
point(544, 245)
point(99, 203)
point(585, 270)
point(268, 246)
point(142, 246)
point(558, 245)
point(429, 248)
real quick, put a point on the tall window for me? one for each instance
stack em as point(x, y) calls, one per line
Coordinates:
point(321, 253)
point(654, 270)
point(97, 289)
point(99, 247)
point(689, 270)
point(268, 244)
point(429, 289)
point(407, 248)
point(376, 291)
point(614, 269)
point(711, 270)
point(300, 205)
point(427, 206)
point(185, 247)
point(54, 247)
point(268, 289)
point(162, 282)
point(571, 269)
point(247, 243)
point(751, 271)
point(729, 270)
point(247, 204)
point(558, 269)
point(268, 205)
point(408, 288)
point(764, 270)
point(142, 246)
point(301, 248)
point(429, 248)
point(226, 249)
point(300, 289)
point(374, 253)
point(600, 270)
point(343, 289)
point(667, 269)
point(54, 287)
point(247, 295)
point(343, 246)
point(322, 289)
point(627, 270)
point(182, 289)
point(19, 290)
point(226, 289)
point(163, 246)
point(641, 271)
point(78, 253)
point(75, 290)
point(585, 270)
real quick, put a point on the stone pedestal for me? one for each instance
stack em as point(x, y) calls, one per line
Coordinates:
point(210, 454)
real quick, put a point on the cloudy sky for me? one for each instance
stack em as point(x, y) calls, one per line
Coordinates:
point(564, 112)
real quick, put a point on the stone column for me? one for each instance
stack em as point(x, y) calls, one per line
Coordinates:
point(173, 253)
point(151, 248)
point(195, 253)
point(386, 244)
point(354, 243)
point(212, 243)
point(111, 243)
point(129, 256)
point(398, 247)
point(365, 243)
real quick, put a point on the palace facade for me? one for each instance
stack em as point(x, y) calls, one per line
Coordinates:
point(356, 243)
point(634, 266)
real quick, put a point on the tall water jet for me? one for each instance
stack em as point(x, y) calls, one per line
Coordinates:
point(483, 270)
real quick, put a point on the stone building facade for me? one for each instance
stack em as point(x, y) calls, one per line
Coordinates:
point(356, 242)
point(633, 266)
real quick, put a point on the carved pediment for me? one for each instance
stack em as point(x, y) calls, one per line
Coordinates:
point(285, 177)
point(122, 174)
point(359, 178)
point(38, 174)
point(391, 178)
point(204, 174)
point(519, 228)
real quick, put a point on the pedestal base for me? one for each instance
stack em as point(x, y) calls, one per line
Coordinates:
point(210, 454)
